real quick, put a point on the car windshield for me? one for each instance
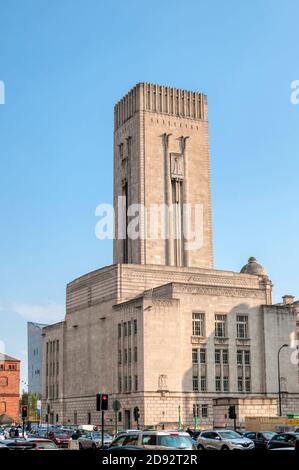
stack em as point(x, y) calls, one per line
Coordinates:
point(229, 435)
point(181, 442)
point(61, 435)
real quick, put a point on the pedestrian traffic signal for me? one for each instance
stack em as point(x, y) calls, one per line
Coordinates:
point(136, 413)
point(24, 411)
point(102, 402)
point(232, 412)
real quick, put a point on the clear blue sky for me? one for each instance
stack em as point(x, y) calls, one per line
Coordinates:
point(65, 63)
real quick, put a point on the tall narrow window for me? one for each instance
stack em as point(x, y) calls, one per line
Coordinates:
point(220, 326)
point(198, 324)
point(242, 326)
point(195, 383)
point(194, 356)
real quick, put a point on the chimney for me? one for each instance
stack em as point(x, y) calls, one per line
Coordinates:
point(288, 299)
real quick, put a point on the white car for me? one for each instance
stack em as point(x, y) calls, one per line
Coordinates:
point(223, 439)
point(93, 440)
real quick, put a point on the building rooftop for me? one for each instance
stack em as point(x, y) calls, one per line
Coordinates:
point(5, 357)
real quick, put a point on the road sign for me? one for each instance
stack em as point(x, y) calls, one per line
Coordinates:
point(116, 406)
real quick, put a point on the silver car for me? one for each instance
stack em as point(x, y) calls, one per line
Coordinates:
point(158, 439)
point(93, 440)
point(223, 439)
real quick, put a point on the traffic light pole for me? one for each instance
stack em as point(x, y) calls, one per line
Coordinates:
point(103, 428)
point(23, 428)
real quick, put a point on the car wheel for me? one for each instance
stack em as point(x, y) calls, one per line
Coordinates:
point(224, 448)
point(200, 447)
point(80, 446)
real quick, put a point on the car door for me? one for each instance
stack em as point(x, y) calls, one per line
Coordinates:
point(206, 439)
point(291, 441)
point(87, 441)
point(280, 440)
point(211, 442)
point(260, 441)
point(253, 437)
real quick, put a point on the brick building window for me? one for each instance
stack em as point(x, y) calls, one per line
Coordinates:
point(218, 383)
point(119, 330)
point(125, 356)
point(119, 356)
point(198, 326)
point(136, 383)
point(135, 327)
point(130, 355)
point(57, 418)
point(119, 385)
point(125, 383)
point(89, 417)
point(129, 328)
point(2, 407)
point(125, 329)
point(242, 326)
point(3, 381)
point(130, 384)
point(220, 326)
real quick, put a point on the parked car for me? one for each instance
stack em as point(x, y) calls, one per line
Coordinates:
point(223, 439)
point(60, 438)
point(261, 439)
point(43, 444)
point(93, 440)
point(148, 439)
point(18, 444)
point(284, 439)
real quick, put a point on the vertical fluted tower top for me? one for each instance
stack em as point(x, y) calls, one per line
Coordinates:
point(162, 100)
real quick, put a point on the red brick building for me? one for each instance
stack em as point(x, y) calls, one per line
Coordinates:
point(9, 388)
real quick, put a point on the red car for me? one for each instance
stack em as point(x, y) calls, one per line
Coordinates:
point(60, 438)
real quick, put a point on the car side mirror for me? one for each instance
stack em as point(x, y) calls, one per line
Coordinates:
point(218, 438)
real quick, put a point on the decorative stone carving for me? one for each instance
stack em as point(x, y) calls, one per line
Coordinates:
point(177, 166)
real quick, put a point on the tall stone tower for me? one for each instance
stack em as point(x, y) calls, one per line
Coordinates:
point(161, 160)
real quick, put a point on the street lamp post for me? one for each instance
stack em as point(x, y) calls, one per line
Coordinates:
point(278, 369)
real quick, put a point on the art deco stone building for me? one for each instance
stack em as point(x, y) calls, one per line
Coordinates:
point(162, 329)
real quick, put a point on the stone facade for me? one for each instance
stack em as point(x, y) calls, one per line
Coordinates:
point(162, 329)
point(9, 388)
point(35, 356)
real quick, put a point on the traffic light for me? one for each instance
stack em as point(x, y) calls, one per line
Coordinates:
point(136, 413)
point(24, 411)
point(232, 412)
point(102, 402)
